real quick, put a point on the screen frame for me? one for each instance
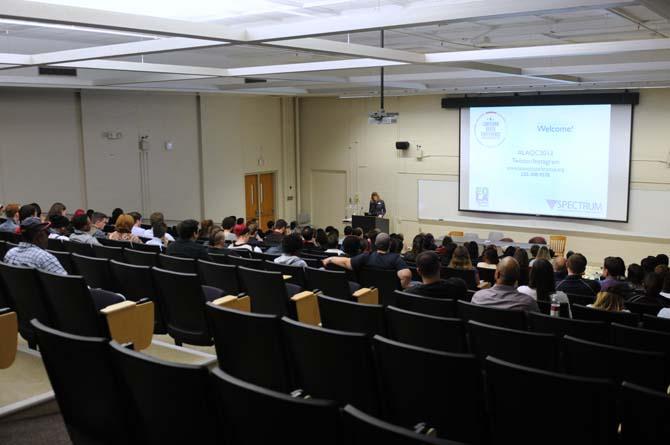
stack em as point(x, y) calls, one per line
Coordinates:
point(540, 215)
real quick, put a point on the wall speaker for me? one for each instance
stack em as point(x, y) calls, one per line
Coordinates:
point(401, 145)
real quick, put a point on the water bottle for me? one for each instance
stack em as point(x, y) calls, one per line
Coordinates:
point(555, 310)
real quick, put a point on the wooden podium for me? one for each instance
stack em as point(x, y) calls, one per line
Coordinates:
point(368, 223)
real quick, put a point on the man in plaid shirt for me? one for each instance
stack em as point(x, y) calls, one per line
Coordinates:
point(30, 252)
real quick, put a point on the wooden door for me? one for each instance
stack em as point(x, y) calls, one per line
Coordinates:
point(266, 194)
point(251, 196)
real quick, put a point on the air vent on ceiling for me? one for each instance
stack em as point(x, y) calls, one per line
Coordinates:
point(51, 71)
point(253, 80)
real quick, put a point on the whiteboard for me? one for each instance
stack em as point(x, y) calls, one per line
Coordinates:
point(438, 200)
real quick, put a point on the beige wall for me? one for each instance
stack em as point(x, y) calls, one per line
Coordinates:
point(335, 135)
point(52, 148)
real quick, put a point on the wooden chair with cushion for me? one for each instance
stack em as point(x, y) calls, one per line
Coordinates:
point(9, 334)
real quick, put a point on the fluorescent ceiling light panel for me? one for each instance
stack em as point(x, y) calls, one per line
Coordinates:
point(193, 10)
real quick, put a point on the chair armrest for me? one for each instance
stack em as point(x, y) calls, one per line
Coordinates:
point(9, 337)
point(307, 307)
point(287, 277)
point(366, 295)
point(131, 322)
point(232, 302)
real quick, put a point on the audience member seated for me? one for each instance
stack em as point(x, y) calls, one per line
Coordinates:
point(509, 251)
point(186, 246)
point(123, 229)
point(12, 223)
point(651, 294)
point(26, 211)
point(381, 258)
point(537, 240)
point(274, 239)
point(417, 248)
point(428, 266)
point(270, 225)
point(242, 242)
point(397, 243)
point(461, 260)
point(239, 226)
point(206, 227)
point(635, 277)
point(82, 227)
point(157, 218)
point(662, 258)
point(429, 242)
point(542, 254)
point(447, 240)
point(217, 242)
point(448, 253)
point(348, 230)
point(574, 283)
point(59, 228)
point(503, 294)
point(649, 264)
point(662, 269)
point(533, 251)
point(614, 270)
point(308, 242)
point(560, 268)
point(98, 223)
point(291, 246)
point(228, 224)
point(137, 229)
point(665, 294)
point(473, 251)
point(115, 214)
point(611, 300)
point(57, 208)
point(521, 257)
point(541, 284)
point(321, 238)
point(255, 237)
point(490, 258)
point(351, 245)
point(158, 235)
point(31, 250)
point(333, 244)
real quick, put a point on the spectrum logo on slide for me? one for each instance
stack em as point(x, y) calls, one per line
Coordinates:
point(491, 129)
point(580, 206)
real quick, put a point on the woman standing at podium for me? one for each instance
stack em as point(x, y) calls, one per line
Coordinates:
point(377, 206)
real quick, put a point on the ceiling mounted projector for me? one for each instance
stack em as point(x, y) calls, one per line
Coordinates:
point(382, 116)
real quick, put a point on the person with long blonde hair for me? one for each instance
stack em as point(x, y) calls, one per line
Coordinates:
point(611, 300)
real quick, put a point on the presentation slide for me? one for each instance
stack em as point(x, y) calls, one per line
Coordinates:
point(553, 160)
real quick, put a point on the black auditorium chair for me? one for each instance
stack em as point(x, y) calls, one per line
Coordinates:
point(136, 283)
point(642, 339)
point(222, 276)
point(177, 264)
point(3, 249)
point(55, 244)
point(486, 274)
point(73, 308)
point(532, 349)
point(656, 323)
point(586, 313)
point(79, 248)
point(439, 307)
point(351, 275)
point(264, 256)
point(238, 253)
point(363, 429)
point(312, 261)
point(95, 271)
point(140, 258)
point(111, 253)
point(285, 419)
point(469, 276)
point(183, 299)
point(426, 331)
point(88, 391)
point(506, 318)
point(590, 359)
point(25, 295)
point(246, 262)
point(332, 364)
point(218, 258)
point(581, 299)
point(267, 291)
point(642, 308)
point(350, 316)
point(65, 260)
point(296, 273)
point(586, 406)
point(386, 282)
point(114, 243)
point(173, 401)
point(147, 247)
point(443, 390)
point(250, 347)
point(645, 415)
point(597, 331)
point(331, 283)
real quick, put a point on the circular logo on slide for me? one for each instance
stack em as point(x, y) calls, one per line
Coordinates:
point(491, 129)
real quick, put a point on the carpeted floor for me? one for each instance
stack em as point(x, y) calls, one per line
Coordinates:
point(42, 424)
